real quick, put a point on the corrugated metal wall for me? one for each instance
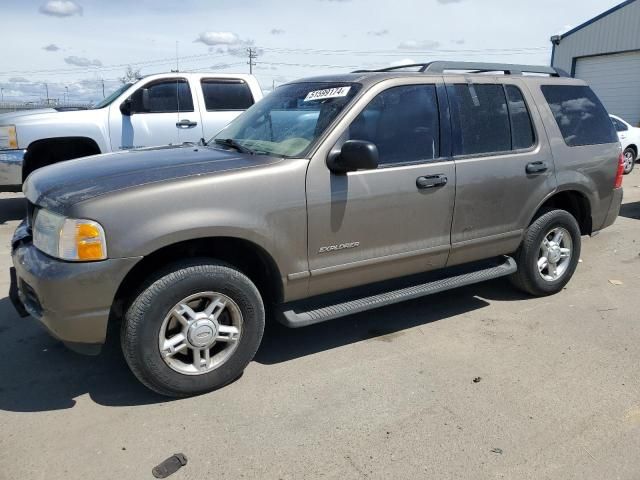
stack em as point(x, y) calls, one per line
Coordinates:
point(616, 80)
point(617, 32)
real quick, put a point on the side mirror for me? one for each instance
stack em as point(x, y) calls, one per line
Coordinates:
point(136, 103)
point(354, 155)
point(125, 107)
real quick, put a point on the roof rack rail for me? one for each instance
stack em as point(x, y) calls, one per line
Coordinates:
point(441, 66)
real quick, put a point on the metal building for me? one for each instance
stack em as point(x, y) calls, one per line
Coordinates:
point(605, 51)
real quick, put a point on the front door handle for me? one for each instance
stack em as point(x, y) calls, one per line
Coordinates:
point(431, 181)
point(537, 167)
point(186, 124)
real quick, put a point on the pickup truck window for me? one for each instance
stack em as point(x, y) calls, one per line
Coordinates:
point(290, 120)
point(168, 96)
point(112, 96)
point(226, 94)
point(403, 122)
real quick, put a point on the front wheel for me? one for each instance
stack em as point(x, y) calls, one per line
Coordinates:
point(549, 254)
point(192, 329)
point(629, 160)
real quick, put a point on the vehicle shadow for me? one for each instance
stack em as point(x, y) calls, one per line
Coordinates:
point(281, 344)
point(12, 209)
point(630, 210)
point(37, 373)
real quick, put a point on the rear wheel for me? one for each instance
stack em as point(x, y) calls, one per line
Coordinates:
point(629, 160)
point(193, 329)
point(549, 254)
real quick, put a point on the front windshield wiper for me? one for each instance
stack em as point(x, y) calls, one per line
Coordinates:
point(230, 142)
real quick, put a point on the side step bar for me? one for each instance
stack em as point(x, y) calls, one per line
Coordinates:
point(296, 317)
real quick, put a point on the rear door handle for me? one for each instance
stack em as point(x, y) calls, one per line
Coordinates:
point(186, 124)
point(537, 167)
point(431, 181)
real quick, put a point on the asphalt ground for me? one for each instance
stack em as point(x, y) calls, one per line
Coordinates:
point(387, 394)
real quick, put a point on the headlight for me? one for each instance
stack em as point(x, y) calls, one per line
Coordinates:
point(8, 137)
point(68, 238)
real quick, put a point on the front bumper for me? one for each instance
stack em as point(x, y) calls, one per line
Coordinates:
point(72, 300)
point(11, 167)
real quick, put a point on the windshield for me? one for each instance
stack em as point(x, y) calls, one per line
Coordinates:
point(112, 96)
point(289, 120)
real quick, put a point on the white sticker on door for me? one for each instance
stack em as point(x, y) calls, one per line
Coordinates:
point(327, 93)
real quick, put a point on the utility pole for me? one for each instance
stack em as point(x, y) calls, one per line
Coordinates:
point(252, 56)
point(102, 87)
point(1, 94)
point(66, 90)
point(46, 87)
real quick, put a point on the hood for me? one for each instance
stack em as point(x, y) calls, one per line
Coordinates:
point(73, 181)
point(9, 117)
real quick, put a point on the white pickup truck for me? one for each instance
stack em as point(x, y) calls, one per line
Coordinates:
point(168, 108)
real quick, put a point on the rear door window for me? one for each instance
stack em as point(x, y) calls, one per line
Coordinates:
point(619, 126)
point(480, 119)
point(522, 133)
point(223, 94)
point(579, 114)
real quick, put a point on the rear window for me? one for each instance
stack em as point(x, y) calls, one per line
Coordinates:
point(222, 94)
point(579, 114)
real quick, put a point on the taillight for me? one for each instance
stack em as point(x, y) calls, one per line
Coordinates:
point(620, 172)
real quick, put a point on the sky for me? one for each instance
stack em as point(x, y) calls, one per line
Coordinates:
point(72, 47)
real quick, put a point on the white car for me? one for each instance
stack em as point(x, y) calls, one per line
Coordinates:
point(167, 108)
point(630, 139)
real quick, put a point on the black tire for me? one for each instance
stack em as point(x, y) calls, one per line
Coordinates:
point(629, 153)
point(528, 278)
point(144, 317)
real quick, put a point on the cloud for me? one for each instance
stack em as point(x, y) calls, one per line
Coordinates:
point(445, 2)
point(335, 1)
point(459, 42)
point(52, 47)
point(218, 38)
point(61, 8)
point(82, 61)
point(379, 33)
point(404, 61)
point(276, 31)
point(418, 45)
point(18, 80)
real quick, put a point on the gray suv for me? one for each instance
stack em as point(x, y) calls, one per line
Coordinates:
point(333, 195)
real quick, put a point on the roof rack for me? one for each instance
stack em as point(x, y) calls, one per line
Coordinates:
point(475, 67)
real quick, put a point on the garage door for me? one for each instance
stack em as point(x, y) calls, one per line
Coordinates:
point(616, 80)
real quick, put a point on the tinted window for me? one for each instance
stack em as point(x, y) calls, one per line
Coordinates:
point(226, 94)
point(522, 135)
point(579, 114)
point(480, 119)
point(403, 123)
point(291, 119)
point(619, 126)
point(170, 96)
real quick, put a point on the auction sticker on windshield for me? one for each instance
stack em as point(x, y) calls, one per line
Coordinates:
point(327, 93)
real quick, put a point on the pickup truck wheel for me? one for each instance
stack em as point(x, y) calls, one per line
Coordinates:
point(549, 254)
point(629, 160)
point(193, 329)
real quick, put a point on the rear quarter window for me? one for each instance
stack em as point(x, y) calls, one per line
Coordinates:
point(226, 94)
point(581, 117)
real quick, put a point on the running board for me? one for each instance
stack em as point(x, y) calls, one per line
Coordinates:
point(293, 316)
